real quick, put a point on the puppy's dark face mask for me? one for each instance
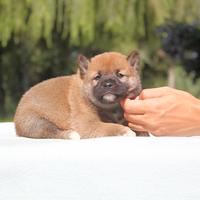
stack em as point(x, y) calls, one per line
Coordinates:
point(109, 89)
point(107, 78)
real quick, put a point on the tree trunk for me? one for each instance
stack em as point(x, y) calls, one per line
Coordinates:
point(2, 95)
point(171, 77)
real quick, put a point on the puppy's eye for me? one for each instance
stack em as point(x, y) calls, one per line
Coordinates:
point(97, 77)
point(120, 75)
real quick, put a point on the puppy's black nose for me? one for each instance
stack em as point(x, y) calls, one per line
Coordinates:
point(109, 83)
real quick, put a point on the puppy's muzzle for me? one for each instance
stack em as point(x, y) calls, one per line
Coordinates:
point(109, 90)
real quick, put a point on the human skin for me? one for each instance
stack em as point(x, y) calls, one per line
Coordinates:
point(164, 111)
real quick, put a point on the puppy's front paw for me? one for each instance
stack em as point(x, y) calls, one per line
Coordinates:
point(73, 135)
point(129, 133)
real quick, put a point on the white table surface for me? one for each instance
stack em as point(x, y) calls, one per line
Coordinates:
point(112, 168)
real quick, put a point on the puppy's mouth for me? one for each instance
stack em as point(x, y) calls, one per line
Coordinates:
point(133, 93)
point(110, 98)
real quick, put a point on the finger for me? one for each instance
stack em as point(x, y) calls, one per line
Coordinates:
point(136, 127)
point(134, 106)
point(155, 92)
point(135, 119)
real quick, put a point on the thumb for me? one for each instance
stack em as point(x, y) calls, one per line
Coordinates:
point(154, 92)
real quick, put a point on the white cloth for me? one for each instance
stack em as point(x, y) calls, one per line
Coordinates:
point(112, 168)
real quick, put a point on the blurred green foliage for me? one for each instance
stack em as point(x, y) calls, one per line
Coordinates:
point(40, 39)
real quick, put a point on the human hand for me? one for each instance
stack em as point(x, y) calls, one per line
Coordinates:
point(164, 112)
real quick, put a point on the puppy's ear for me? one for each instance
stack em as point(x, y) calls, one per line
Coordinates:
point(134, 59)
point(83, 63)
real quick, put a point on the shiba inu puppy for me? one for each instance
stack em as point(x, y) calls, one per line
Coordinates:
point(82, 105)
